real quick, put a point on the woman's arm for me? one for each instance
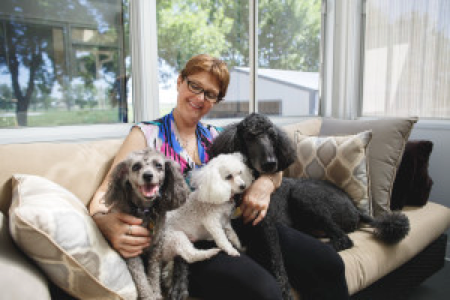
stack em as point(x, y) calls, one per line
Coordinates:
point(257, 197)
point(115, 226)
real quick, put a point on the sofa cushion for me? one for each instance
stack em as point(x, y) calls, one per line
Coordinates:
point(16, 268)
point(306, 127)
point(53, 227)
point(369, 259)
point(78, 167)
point(389, 137)
point(338, 159)
point(413, 184)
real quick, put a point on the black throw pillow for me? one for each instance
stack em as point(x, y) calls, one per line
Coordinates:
point(412, 183)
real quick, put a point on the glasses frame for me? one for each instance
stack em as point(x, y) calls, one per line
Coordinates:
point(200, 90)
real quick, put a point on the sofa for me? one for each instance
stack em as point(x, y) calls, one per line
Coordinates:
point(51, 249)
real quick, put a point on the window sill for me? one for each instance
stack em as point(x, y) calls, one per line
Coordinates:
point(63, 133)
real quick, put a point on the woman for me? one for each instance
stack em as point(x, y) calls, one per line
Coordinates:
point(201, 85)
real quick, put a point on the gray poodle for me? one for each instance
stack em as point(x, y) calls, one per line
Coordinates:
point(308, 205)
point(147, 185)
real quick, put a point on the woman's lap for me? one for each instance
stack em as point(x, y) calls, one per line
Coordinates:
point(228, 277)
point(314, 268)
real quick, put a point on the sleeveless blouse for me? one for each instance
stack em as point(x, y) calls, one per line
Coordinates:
point(162, 134)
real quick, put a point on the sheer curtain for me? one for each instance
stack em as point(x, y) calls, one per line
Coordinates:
point(407, 58)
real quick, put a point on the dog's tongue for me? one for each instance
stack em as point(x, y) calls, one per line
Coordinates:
point(149, 190)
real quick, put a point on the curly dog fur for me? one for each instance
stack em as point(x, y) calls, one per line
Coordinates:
point(307, 205)
point(147, 185)
point(207, 213)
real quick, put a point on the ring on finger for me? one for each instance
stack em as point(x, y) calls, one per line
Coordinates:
point(130, 229)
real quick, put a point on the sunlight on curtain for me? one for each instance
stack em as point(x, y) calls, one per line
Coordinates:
point(407, 58)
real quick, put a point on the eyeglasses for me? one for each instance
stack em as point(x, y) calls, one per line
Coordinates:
point(197, 89)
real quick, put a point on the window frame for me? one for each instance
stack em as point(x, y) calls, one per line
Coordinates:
point(343, 63)
point(340, 74)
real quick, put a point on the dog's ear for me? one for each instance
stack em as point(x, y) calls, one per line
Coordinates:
point(118, 187)
point(284, 149)
point(247, 174)
point(227, 141)
point(209, 185)
point(174, 189)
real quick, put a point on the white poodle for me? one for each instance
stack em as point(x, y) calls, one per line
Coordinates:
point(207, 213)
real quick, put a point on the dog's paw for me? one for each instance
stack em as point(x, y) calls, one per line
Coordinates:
point(342, 243)
point(242, 249)
point(232, 252)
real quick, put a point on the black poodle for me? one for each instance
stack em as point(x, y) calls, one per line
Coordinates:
point(308, 205)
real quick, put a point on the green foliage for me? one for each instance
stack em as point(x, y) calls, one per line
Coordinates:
point(187, 28)
point(289, 32)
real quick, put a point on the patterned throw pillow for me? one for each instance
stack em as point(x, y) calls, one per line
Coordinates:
point(53, 227)
point(389, 137)
point(341, 160)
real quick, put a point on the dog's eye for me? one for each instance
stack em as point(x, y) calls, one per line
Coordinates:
point(229, 177)
point(136, 167)
point(158, 166)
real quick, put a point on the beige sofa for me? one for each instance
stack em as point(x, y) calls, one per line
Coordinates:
point(46, 230)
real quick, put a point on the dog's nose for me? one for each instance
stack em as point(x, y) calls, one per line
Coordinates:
point(147, 176)
point(242, 187)
point(269, 166)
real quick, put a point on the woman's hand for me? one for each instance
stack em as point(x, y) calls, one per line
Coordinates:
point(124, 233)
point(255, 202)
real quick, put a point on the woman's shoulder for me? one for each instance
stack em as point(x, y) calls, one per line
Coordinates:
point(150, 129)
point(214, 130)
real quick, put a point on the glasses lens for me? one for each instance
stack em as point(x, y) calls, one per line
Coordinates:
point(211, 97)
point(194, 87)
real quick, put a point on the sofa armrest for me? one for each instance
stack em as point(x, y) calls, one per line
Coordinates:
point(20, 279)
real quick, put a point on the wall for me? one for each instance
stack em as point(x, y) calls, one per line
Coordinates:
point(439, 167)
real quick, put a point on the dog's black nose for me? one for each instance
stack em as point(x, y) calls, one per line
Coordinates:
point(242, 187)
point(148, 176)
point(269, 166)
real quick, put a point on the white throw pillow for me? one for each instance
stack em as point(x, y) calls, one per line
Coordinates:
point(53, 227)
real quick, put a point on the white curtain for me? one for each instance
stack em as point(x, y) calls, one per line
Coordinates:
point(407, 58)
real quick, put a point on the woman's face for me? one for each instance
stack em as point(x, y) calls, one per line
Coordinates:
point(194, 106)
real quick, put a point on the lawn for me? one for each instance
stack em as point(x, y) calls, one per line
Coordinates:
point(57, 118)
point(74, 117)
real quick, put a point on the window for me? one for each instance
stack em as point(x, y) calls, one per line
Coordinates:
point(288, 52)
point(64, 62)
point(407, 59)
point(289, 57)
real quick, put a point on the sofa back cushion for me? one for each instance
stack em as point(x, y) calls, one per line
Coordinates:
point(389, 136)
point(79, 167)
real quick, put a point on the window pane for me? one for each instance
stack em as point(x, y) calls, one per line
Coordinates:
point(407, 59)
point(63, 62)
point(188, 28)
point(289, 57)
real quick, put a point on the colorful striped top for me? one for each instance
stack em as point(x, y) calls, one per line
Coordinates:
point(162, 134)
